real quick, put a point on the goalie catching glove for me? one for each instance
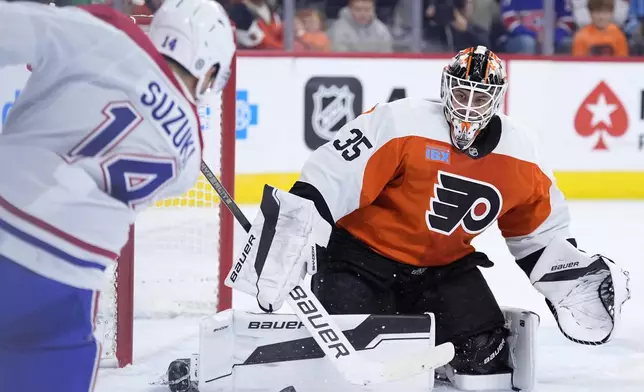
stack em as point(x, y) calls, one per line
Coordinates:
point(585, 294)
point(281, 247)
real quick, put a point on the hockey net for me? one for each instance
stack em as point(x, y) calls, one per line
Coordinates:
point(180, 250)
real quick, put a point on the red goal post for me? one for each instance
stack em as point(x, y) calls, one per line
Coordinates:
point(179, 250)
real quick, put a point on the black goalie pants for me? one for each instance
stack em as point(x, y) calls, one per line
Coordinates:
point(353, 279)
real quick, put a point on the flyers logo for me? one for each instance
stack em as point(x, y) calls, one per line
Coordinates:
point(461, 201)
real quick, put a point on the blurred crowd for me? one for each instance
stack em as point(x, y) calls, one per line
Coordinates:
point(580, 27)
point(571, 27)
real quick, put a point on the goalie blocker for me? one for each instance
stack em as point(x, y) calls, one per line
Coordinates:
point(240, 351)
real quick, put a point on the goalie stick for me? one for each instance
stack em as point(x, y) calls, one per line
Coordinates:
point(336, 347)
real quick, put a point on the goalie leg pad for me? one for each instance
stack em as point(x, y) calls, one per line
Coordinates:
point(483, 353)
point(240, 351)
point(522, 342)
point(521, 326)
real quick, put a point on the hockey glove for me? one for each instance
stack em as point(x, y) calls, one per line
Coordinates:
point(281, 247)
point(585, 294)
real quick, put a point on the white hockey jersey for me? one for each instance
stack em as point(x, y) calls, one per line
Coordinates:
point(102, 129)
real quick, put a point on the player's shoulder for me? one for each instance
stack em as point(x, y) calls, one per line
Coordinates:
point(133, 35)
point(517, 140)
point(124, 24)
point(107, 30)
point(75, 26)
point(92, 22)
point(106, 14)
point(409, 117)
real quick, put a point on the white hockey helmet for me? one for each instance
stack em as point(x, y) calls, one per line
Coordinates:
point(198, 35)
point(472, 91)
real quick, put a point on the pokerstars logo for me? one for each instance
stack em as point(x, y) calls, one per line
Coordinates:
point(602, 115)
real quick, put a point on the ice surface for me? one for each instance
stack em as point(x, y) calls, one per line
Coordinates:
point(615, 229)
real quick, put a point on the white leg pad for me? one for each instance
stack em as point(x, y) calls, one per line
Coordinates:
point(240, 351)
point(523, 325)
point(482, 382)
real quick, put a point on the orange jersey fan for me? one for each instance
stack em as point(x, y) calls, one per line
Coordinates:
point(591, 41)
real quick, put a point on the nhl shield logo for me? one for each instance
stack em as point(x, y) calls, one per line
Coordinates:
point(330, 103)
point(331, 106)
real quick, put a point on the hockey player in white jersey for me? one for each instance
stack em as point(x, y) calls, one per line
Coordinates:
point(106, 125)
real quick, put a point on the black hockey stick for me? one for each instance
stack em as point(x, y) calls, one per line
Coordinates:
point(225, 196)
point(330, 337)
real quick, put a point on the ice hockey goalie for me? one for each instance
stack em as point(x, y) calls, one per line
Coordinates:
point(405, 187)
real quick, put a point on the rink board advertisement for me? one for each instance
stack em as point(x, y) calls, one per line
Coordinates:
point(589, 116)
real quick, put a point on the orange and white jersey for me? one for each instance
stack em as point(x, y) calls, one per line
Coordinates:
point(393, 180)
point(258, 26)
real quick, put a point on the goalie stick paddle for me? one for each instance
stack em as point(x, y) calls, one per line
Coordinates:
point(332, 341)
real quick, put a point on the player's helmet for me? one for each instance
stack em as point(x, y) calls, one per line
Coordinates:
point(198, 35)
point(472, 91)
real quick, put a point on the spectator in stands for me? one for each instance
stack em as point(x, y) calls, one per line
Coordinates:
point(358, 29)
point(635, 16)
point(486, 13)
point(401, 27)
point(309, 35)
point(523, 20)
point(601, 37)
point(449, 29)
point(634, 27)
point(581, 13)
point(384, 8)
point(258, 25)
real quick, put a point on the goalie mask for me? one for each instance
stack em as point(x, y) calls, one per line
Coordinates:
point(472, 91)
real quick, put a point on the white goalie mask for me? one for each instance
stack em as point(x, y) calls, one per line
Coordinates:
point(198, 35)
point(472, 91)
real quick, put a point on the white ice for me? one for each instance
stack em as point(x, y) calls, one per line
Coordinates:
point(615, 229)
